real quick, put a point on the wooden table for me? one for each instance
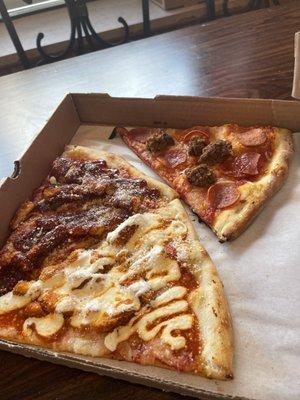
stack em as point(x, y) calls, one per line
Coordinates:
point(250, 55)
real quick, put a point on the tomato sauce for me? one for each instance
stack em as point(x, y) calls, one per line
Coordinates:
point(187, 279)
point(156, 351)
point(13, 319)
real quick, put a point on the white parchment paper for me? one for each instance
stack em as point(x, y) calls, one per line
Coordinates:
point(261, 275)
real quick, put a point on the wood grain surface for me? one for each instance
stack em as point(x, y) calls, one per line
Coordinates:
point(249, 55)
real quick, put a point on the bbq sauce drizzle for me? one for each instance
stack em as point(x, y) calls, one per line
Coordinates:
point(79, 202)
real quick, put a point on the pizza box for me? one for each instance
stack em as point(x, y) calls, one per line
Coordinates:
point(296, 83)
point(259, 269)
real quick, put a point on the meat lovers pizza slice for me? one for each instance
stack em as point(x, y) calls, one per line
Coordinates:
point(225, 173)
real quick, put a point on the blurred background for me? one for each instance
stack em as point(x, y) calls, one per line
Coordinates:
point(23, 20)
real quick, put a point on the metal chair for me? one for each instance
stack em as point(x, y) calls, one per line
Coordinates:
point(82, 29)
point(13, 35)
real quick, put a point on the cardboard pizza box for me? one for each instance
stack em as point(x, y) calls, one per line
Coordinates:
point(296, 82)
point(266, 377)
point(163, 111)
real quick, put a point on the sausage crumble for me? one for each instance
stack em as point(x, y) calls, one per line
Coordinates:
point(201, 175)
point(196, 146)
point(159, 142)
point(216, 152)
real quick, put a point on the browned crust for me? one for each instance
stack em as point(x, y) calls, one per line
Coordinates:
point(211, 308)
point(231, 223)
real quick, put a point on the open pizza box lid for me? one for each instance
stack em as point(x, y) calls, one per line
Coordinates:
point(296, 82)
point(257, 271)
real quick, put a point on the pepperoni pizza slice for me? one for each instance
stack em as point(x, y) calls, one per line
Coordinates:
point(226, 173)
point(127, 280)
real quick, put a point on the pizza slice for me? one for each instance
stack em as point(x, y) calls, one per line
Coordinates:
point(86, 195)
point(225, 173)
point(145, 292)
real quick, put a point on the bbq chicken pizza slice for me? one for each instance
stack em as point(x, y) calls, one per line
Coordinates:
point(86, 194)
point(226, 174)
point(148, 294)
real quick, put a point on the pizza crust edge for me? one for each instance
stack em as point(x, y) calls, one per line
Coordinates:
point(211, 308)
point(231, 223)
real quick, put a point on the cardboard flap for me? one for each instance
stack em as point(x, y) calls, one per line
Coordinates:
point(32, 168)
point(296, 83)
point(183, 112)
point(165, 97)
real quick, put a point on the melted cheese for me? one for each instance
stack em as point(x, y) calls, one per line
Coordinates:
point(93, 295)
point(174, 293)
point(181, 322)
point(139, 287)
point(113, 302)
point(162, 272)
point(177, 228)
point(45, 326)
point(182, 250)
point(141, 325)
point(11, 301)
point(172, 308)
point(142, 221)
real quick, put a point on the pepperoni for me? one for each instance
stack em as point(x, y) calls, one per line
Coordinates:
point(196, 132)
point(140, 134)
point(182, 360)
point(243, 165)
point(223, 194)
point(248, 163)
point(253, 137)
point(175, 157)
